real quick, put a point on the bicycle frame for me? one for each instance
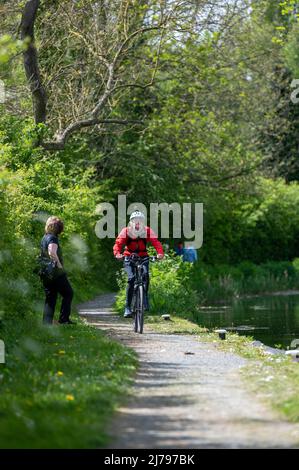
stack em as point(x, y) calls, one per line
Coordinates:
point(137, 306)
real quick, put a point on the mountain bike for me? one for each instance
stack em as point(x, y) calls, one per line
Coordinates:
point(137, 305)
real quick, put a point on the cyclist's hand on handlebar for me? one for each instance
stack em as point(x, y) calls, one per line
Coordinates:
point(119, 256)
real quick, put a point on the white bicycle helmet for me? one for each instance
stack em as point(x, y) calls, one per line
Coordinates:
point(137, 214)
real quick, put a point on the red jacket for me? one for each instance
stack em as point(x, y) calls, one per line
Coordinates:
point(136, 245)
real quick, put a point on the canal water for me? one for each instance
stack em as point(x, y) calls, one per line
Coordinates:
point(272, 319)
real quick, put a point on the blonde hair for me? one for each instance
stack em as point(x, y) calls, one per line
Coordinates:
point(54, 225)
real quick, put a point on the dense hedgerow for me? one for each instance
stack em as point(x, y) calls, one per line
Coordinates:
point(34, 185)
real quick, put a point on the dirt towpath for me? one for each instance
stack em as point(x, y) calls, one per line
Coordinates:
point(187, 394)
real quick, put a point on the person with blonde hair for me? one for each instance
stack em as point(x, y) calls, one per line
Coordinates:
point(54, 277)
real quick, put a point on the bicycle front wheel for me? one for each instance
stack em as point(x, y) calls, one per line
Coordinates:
point(139, 315)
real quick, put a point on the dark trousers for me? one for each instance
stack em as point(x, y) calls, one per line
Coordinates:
point(130, 270)
point(52, 288)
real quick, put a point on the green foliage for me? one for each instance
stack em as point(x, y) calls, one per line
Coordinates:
point(170, 287)
point(14, 287)
point(33, 186)
point(291, 51)
point(179, 288)
point(170, 290)
point(9, 47)
point(272, 231)
point(224, 282)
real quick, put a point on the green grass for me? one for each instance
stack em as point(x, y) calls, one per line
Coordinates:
point(273, 378)
point(276, 379)
point(175, 325)
point(60, 385)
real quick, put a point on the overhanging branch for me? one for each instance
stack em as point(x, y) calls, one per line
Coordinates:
point(62, 138)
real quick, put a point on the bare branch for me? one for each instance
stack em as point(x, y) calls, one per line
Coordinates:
point(96, 54)
point(62, 138)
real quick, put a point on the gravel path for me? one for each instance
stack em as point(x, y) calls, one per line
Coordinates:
point(187, 394)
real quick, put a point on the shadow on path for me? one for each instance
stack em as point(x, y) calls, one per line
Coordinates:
point(186, 401)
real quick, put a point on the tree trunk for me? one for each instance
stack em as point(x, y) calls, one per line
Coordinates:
point(31, 61)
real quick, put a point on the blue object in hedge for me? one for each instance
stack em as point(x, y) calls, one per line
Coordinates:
point(189, 254)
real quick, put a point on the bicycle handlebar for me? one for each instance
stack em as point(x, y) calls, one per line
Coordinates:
point(136, 257)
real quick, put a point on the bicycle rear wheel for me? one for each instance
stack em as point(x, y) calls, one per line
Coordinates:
point(139, 315)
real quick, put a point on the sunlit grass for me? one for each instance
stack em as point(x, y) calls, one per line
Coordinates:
point(276, 380)
point(59, 385)
point(273, 378)
point(175, 325)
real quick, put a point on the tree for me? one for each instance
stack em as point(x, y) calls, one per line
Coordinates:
point(83, 56)
point(280, 137)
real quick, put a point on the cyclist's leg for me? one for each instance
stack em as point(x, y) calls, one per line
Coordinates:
point(146, 285)
point(140, 309)
point(128, 267)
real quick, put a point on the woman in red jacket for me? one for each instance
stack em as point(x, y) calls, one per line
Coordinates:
point(135, 238)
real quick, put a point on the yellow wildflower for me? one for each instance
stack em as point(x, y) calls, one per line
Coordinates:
point(70, 397)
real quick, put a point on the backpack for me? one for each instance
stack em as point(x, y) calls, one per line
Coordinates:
point(46, 268)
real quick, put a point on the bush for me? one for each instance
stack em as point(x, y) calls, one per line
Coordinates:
point(15, 286)
point(32, 187)
point(170, 288)
point(224, 282)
